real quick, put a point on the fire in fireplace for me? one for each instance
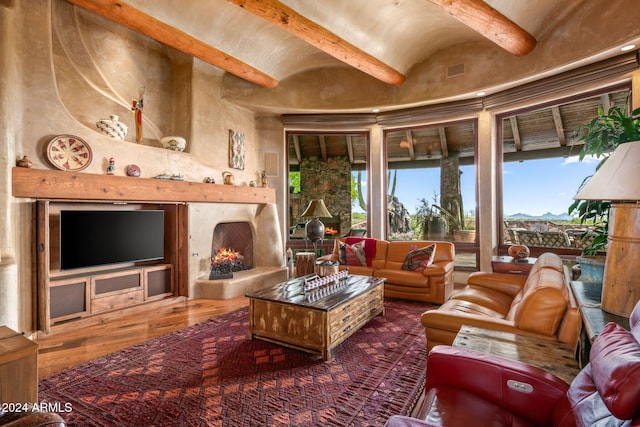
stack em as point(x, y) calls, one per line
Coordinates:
point(231, 249)
point(225, 262)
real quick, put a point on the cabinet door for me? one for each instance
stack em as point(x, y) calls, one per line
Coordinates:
point(68, 299)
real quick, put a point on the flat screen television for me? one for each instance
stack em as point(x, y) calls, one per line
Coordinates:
point(90, 238)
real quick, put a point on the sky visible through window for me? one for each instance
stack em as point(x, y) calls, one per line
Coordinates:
point(533, 187)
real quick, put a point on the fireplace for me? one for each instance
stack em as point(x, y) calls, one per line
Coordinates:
point(231, 249)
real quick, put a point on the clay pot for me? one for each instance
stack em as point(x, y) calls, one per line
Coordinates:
point(227, 178)
point(519, 251)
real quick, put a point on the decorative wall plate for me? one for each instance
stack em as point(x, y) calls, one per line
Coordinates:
point(68, 153)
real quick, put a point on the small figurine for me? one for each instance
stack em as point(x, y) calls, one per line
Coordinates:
point(263, 175)
point(209, 180)
point(24, 162)
point(112, 166)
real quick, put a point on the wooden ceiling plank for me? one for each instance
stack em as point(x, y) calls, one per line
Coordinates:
point(557, 120)
point(484, 19)
point(288, 19)
point(516, 133)
point(130, 17)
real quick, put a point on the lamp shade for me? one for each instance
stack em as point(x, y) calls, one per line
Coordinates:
point(617, 178)
point(316, 209)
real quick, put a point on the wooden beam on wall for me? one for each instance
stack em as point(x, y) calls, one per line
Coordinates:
point(482, 18)
point(130, 17)
point(288, 19)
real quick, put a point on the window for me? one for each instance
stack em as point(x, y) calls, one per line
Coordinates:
point(432, 186)
point(331, 167)
point(541, 172)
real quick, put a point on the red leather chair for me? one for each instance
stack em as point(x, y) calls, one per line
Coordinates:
point(470, 388)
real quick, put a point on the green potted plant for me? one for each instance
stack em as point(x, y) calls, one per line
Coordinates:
point(600, 137)
point(429, 224)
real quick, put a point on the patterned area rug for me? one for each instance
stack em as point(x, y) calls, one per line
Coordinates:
point(211, 374)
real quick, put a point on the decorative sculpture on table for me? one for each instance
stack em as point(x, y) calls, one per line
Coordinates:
point(314, 228)
point(137, 114)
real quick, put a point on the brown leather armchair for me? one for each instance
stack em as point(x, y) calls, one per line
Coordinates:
point(540, 305)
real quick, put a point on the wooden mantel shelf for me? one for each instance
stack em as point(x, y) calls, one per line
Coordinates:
point(52, 184)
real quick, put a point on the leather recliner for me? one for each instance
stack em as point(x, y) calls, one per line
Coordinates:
point(466, 387)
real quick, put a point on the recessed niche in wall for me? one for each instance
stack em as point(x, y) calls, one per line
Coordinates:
point(100, 68)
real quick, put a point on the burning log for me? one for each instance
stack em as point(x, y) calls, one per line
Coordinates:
point(224, 263)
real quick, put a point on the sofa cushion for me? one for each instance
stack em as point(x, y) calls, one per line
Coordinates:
point(615, 366)
point(419, 258)
point(352, 254)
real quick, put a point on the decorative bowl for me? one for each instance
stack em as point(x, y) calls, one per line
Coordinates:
point(519, 251)
point(175, 143)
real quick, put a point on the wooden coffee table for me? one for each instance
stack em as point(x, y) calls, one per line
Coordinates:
point(553, 356)
point(314, 321)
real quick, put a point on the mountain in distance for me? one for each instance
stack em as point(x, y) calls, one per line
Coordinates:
point(548, 216)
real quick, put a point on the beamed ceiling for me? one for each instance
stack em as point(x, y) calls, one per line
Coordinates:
point(549, 131)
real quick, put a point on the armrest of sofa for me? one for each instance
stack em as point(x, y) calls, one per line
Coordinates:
point(505, 283)
point(522, 389)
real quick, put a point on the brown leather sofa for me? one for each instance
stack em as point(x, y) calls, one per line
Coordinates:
point(466, 387)
point(434, 284)
point(541, 304)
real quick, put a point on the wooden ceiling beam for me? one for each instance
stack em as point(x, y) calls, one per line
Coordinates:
point(350, 148)
point(135, 19)
point(516, 133)
point(482, 18)
point(559, 125)
point(288, 19)
point(323, 147)
point(444, 145)
point(409, 137)
point(296, 147)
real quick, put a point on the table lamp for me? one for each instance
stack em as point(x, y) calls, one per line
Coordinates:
point(314, 228)
point(618, 180)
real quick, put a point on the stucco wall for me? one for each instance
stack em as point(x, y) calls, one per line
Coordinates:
point(63, 83)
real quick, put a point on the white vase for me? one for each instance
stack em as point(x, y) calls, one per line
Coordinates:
point(112, 127)
point(176, 143)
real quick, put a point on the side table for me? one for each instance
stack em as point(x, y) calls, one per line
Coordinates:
point(18, 368)
point(305, 263)
point(589, 299)
point(553, 356)
point(506, 264)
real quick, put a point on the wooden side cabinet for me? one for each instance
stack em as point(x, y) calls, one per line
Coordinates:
point(506, 264)
point(18, 368)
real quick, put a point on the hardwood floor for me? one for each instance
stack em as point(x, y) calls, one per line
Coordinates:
point(66, 349)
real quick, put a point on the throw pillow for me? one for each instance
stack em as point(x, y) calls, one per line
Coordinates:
point(355, 254)
point(419, 258)
point(615, 365)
